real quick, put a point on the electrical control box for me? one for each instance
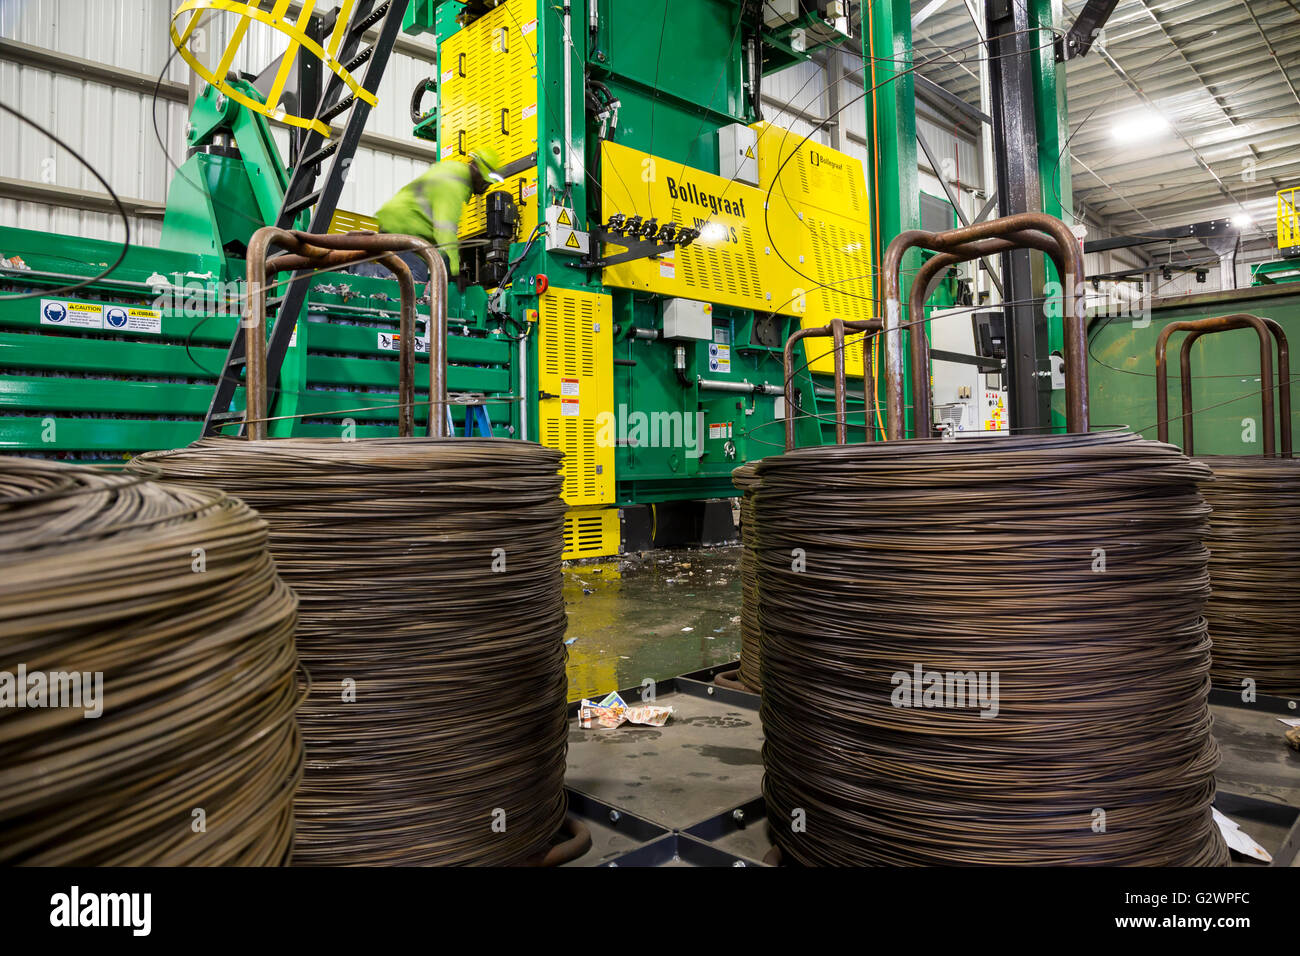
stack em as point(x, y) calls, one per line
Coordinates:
point(738, 153)
point(968, 399)
point(688, 319)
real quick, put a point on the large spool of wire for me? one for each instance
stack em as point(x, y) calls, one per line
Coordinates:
point(159, 608)
point(746, 479)
point(1254, 541)
point(432, 625)
point(1061, 582)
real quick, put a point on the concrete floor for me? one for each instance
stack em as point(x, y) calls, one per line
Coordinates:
point(654, 615)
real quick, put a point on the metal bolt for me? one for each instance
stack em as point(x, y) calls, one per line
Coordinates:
point(738, 863)
point(738, 815)
point(709, 691)
point(615, 816)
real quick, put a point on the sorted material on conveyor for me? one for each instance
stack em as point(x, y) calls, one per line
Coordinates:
point(1254, 542)
point(745, 478)
point(153, 617)
point(432, 625)
point(987, 651)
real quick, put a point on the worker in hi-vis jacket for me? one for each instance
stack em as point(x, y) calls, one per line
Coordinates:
point(430, 206)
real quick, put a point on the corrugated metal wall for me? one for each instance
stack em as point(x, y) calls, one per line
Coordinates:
point(114, 128)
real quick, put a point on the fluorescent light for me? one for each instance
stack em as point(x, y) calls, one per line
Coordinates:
point(1140, 126)
point(1242, 221)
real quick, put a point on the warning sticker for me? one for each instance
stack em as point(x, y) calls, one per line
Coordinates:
point(720, 430)
point(995, 411)
point(569, 407)
point(71, 315)
point(392, 342)
point(667, 268)
point(94, 315)
point(530, 190)
point(122, 318)
point(572, 242)
point(719, 358)
point(530, 111)
point(448, 152)
point(528, 27)
point(569, 386)
point(447, 76)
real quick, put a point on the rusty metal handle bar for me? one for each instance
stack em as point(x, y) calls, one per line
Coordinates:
point(333, 251)
point(1227, 323)
point(1071, 254)
point(437, 293)
point(835, 330)
point(924, 283)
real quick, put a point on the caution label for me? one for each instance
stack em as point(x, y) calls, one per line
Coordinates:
point(392, 342)
point(570, 407)
point(719, 358)
point(569, 386)
point(720, 430)
point(109, 317)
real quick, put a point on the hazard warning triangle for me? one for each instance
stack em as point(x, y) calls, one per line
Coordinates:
point(564, 219)
point(573, 242)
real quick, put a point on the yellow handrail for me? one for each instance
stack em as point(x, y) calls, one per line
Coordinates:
point(298, 38)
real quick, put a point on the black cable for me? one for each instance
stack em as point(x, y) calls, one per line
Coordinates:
point(121, 209)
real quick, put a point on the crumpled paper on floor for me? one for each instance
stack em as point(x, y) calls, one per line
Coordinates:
point(613, 712)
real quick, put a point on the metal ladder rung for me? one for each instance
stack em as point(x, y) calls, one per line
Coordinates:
point(359, 59)
point(365, 24)
point(298, 205)
point(318, 157)
point(340, 107)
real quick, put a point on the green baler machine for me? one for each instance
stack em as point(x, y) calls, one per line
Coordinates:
point(644, 418)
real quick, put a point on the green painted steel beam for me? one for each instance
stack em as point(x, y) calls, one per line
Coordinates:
point(890, 103)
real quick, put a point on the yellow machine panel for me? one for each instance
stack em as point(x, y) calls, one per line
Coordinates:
point(830, 189)
point(488, 99)
point(732, 263)
point(592, 533)
point(807, 254)
point(810, 174)
point(1288, 219)
point(575, 375)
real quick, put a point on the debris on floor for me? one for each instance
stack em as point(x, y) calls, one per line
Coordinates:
point(613, 712)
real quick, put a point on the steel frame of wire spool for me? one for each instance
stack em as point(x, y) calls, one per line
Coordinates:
point(969, 557)
point(433, 616)
point(172, 596)
point(307, 250)
point(1025, 230)
point(1254, 536)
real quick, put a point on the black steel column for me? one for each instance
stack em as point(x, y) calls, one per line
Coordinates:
point(1011, 74)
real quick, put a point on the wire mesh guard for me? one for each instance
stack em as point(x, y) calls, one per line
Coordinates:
point(155, 645)
point(432, 626)
point(986, 651)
